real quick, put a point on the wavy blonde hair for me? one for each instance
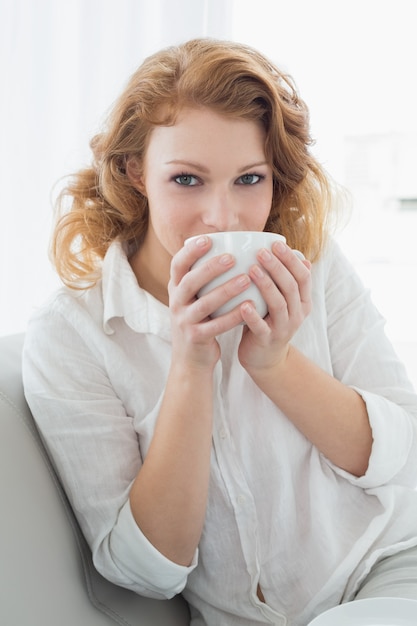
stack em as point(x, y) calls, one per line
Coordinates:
point(100, 204)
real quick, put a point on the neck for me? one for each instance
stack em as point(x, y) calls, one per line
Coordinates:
point(150, 273)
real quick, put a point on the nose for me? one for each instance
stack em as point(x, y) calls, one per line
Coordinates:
point(220, 212)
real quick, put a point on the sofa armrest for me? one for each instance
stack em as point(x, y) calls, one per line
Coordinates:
point(46, 572)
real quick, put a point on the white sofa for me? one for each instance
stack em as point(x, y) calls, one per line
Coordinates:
point(46, 573)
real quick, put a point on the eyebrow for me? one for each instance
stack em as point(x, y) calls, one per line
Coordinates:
point(205, 170)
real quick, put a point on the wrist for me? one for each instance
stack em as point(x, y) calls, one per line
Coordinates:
point(192, 371)
point(270, 370)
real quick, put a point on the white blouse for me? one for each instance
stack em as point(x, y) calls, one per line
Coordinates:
point(279, 513)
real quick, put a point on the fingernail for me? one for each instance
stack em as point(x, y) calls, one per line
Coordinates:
point(201, 241)
point(226, 259)
point(266, 255)
point(280, 247)
point(243, 280)
point(257, 271)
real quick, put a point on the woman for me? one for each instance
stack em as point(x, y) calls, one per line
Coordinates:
point(266, 470)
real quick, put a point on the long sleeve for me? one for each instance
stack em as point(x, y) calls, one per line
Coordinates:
point(92, 440)
point(363, 358)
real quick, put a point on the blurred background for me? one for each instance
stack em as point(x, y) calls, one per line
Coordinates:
point(354, 62)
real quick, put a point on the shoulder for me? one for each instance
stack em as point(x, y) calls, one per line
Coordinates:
point(334, 267)
point(69, 307)
point(66, 321)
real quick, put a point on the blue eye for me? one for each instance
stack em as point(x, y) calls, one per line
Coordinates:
point(249, 179)
point(186, 179)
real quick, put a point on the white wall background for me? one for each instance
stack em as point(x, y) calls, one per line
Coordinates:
point(355, 63)
point(62, 63)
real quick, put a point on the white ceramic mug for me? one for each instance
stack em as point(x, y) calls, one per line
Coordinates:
point(243, 245)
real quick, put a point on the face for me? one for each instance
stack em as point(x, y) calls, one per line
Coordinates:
point(204, 174)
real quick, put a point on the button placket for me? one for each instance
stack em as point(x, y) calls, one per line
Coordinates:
point(239, 492)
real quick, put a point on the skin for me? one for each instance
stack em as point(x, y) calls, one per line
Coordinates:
point(209, 173)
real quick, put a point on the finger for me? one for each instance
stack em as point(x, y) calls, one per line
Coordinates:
point(275, 298)
point(213, 327)
point(290, 273)
point(187, 256)
point(203, 273)
point(207, 304)
point(299, 267)
point(254, 322)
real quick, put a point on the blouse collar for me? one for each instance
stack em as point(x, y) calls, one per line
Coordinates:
point(124, 298)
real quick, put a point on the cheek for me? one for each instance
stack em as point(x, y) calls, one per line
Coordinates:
point(258, 210)
point(171, 217)
point(160, 204)
point(267, 205)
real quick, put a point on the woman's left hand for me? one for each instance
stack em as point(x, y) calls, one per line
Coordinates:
point(285, 283)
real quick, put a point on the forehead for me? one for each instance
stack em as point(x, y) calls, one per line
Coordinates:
point(202, 129)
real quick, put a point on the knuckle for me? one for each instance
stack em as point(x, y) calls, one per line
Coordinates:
point(281, 307)
point(195, 334)
point(292, 288)
point(209, 268)
point(231, 288)
point(201, 307)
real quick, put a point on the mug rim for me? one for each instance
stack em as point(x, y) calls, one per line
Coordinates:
point(237, 233)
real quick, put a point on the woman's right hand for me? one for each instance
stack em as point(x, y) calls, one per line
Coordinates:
point(169, 495)
point(193, 330)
